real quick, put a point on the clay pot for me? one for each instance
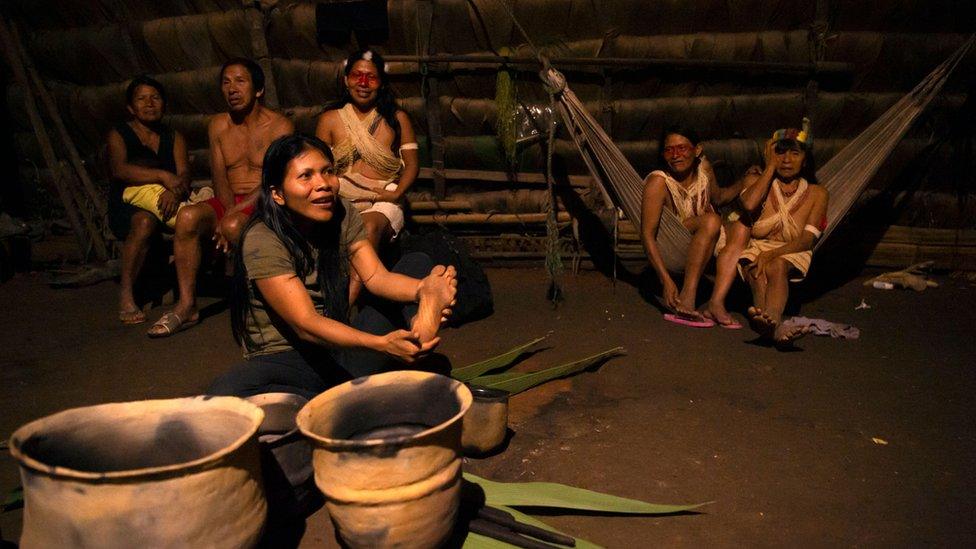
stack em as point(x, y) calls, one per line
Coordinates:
point(158, 473)
point(486, 422)
point(387, 457)
point(286, 456)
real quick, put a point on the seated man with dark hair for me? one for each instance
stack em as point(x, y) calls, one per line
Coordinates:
point(238, 141)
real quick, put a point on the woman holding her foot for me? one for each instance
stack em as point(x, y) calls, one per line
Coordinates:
point(789, 211)
point(687, 186)
point(290, 309)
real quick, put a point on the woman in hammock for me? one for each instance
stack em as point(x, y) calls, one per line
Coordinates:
point(290, 308)
point(688, 187)
point(789, 210)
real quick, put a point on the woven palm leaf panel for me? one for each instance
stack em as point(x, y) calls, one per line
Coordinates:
point(87, 50)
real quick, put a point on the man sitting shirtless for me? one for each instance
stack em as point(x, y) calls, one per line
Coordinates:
point(792, 212)
point(238, 141)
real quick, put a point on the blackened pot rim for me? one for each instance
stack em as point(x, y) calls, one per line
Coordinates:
point(305, 414)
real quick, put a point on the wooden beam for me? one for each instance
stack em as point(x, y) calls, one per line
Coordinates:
point(55, 116)
point(432, 104)
point(44, 141)
point(257, 23)
point(624, 63)
point(486, 218)
point(502, 177)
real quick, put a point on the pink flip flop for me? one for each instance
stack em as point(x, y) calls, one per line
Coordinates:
point(703, 323)
point(734, 325)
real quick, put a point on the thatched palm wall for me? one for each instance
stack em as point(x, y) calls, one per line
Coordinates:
point(87, 49)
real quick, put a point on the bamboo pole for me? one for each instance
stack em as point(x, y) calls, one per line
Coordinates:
point(432, 104)
point(55, 116)
point(486, 218)
point(490, 176)
point(492, 61)
point(47, 151)
point(439, 205)
point(86, 195)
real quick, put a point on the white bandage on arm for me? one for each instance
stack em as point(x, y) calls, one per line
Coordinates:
point(408, 147)
point(813, 230)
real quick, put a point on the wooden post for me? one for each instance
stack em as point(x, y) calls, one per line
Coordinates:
point(257, 22)
point(432, 105)
point(817, 37)
point(43, 139)
point(55, 116)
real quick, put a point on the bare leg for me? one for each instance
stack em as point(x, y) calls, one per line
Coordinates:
point(777, 292)
point(141, 229)
point(379, 232)
point(777, 288)
point(194, 229)
point(736, 238)
point(705, 229)
point(758, 319)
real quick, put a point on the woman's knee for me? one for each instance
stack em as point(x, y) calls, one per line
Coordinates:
point(778, 268)
point(189, 218)
point(711, 223)
point(142, 225)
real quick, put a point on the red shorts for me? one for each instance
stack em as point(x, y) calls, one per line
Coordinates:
point(218, 206)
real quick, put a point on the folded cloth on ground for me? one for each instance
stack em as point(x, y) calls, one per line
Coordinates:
point(821, 327)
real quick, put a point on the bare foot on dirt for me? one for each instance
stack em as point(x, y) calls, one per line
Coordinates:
point(437, 292)
point(761, 322)
point(787, 332)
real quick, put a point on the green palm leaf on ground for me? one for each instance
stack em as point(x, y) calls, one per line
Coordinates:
point(516, 382)
point(471, 371)
point(551, 494)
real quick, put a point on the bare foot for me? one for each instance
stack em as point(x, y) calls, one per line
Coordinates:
point(787, 332)
point(437, 293)
point(718, 313)
point(686, 306)
point(761, 323)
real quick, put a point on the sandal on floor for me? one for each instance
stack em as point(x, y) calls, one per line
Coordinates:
point(684, 320)
point(170, 323)
point(731, 325)
point(132, 317)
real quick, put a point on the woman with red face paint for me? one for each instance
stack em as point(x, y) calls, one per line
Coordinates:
point(374, 145)
point(687, 186)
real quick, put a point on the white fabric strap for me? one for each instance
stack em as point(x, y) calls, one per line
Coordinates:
point(408, 147)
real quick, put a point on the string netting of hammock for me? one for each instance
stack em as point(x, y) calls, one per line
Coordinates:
point(845, 176)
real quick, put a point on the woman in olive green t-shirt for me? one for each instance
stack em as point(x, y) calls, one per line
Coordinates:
point(290, 309)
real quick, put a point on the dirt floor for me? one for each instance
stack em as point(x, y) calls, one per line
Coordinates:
point(864, 443)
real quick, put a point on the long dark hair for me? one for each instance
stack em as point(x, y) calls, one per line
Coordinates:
point(386, 103)
point(324, 242)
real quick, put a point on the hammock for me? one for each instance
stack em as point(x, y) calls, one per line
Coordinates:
point(845, 176)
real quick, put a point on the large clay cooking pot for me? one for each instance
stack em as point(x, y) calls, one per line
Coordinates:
point(158, 473)
point(387, 457)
